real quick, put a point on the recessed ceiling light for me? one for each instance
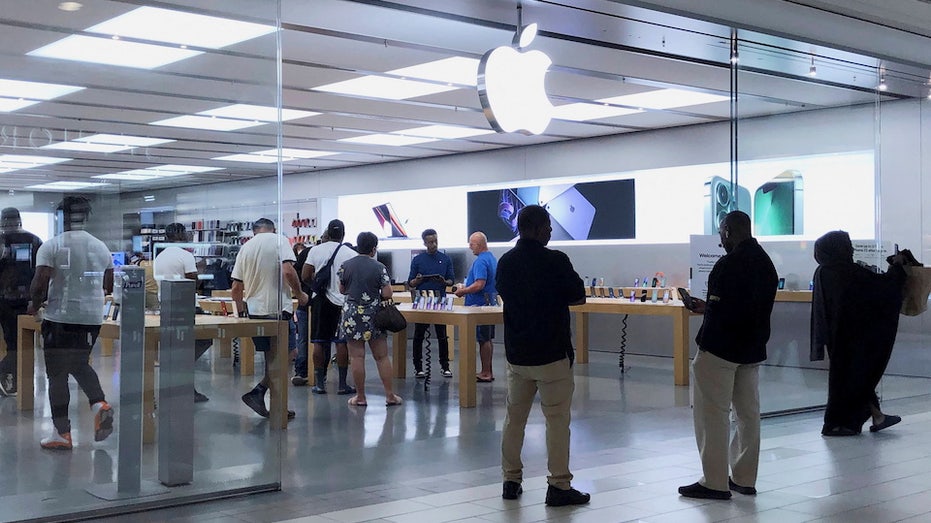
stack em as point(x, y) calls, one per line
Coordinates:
point(256, 112)
point(251, 158)
point(70, 6)
point(8, 105)
point(455, 70)
point(209, 123)
point(15, 162)
point(66, 186)
point(107, 51)
point(581, 112)
point(124, 176)
point(165, 171)
point(271, 155)
point(395, 140)
point(86, 147)
point(298, 153)
point(384, 87)
point(177, 27)
point(34, 90)
point(665, 99)
point(122, 139)
point(449, 132)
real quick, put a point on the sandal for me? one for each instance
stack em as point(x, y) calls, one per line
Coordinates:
point(396, 401)
point(354, 402)
point(888, 421)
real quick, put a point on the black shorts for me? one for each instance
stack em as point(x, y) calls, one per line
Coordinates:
point(264, 343)
point(324, 320)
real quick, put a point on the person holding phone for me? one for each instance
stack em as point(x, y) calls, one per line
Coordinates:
point(479, 290)
point(731, 346)
point(431, 271)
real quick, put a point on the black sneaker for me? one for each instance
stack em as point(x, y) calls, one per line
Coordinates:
point(746, 491)
point(348, 389)
point(556, 497)
point(299, 381)
point(511, 490)
point(699, 491)
point(8, 385)
point(200, 398)
point(420, 374)
point(255, 400)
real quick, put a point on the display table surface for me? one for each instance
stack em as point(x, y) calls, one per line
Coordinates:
point(463, 318)
point(794, 296)
point(205, 327)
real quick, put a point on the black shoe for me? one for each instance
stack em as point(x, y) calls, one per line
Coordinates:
point(419, 374)
point(199, 398)
point(511, 490)
point(699, 491)
point(316, 389)
point(746, 491)
point(348, 389)
point(888, 421)
point(255, 400)
point(299, 381)
point(291, 414)
point(8, 385)
point(560, 498)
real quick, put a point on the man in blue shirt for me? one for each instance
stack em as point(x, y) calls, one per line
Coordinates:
point(480, 290)
point(431, 271)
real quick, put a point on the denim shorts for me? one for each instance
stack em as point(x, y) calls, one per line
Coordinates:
point(264, 343)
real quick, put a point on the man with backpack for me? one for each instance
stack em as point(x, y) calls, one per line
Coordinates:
point(326, 306)
point(17, 267)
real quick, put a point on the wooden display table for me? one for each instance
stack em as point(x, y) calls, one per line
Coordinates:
point(205, 328)
point(794, 296)
point(465, 319)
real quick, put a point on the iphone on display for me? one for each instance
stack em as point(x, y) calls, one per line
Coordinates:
point(721, 199)
point(778, 205)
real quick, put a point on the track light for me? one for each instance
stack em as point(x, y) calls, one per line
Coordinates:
point(812, 71)
point(882, 83)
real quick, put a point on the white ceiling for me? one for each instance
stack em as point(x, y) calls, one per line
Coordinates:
point(599, 49)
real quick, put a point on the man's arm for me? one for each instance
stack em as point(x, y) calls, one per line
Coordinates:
point(38, 289)
point(236, 292)
point(476, 286)
point(290, 277)
point(307, 272)
point(108, 281)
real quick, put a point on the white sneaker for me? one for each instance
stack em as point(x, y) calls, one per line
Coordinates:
point(447, 373)
point(7, 385)
point(57, 441)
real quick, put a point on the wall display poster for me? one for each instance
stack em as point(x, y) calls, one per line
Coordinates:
point(704, 252)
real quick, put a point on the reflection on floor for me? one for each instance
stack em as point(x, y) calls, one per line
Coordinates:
point(428, 460)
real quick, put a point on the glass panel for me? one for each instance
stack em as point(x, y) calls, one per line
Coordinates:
point(135, 110)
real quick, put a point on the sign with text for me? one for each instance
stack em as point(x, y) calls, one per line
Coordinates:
point(704, 252)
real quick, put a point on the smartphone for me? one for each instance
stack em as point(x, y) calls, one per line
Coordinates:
point(782, 284)
point(720, 199)
point(686, 298)
point(778, 205)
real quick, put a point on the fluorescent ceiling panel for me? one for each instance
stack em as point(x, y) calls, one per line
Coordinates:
point(271, 155)
point(252, 158)
point(66, 186)
point(19, 161)
point(395, 140)
point(34, 90)
point(210, 123)
point(101, 50)
point(8, 105)
point(165, 171)
point(176, 27)
point(86, 147)
point(256, 112)
point(448, 132)
point(455, 70)
point(122, 139)
point(124, 176)
point(383, 87)
point(665, 99)
point(581, 112)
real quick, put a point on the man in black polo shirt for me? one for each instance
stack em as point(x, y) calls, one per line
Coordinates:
point(732, 344)
point(538, 285)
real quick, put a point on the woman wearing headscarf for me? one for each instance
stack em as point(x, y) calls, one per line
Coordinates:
point(854, 315)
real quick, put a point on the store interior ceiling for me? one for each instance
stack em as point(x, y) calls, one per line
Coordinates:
point(205, 114)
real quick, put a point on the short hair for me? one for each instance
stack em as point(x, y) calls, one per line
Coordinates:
point(336, 230)
point(366, 242)
point(176, 232)
point(263, 223)
point(9, 217)
point(74, 209)
point(531, 218)
point(427, 232)
point(738, 222)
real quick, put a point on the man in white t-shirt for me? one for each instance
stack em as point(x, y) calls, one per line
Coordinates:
point(175, 263)
point(73, 270)
point(262, 262)
point(326, 308)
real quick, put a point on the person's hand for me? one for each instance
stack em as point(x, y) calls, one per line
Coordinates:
point(460, 292)
point(898, 259)
point(698, 305)
point(292, 355)
point(31, 309)
point(303, 298)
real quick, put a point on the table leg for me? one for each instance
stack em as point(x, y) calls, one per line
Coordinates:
point(278, 374)
point(246, 357)
point(106, 347)
point(225, 346)
point(680, 347)
point(466, 364)
point(581, 337)
point(150, 352)
point(399, 353)
point(25, 368)
point(450, 329)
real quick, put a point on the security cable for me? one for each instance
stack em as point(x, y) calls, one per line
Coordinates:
point(427, 364)
point(620, 362)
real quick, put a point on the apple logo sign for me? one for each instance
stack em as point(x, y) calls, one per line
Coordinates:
point(511, 86)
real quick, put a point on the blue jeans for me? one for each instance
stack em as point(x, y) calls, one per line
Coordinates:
point(300, 365)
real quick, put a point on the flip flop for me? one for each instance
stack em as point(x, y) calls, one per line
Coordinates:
point(354, 402)
point(484, 380)
point(888, 421)
point(397, 401)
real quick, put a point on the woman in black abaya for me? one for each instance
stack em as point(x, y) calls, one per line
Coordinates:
point(854, 315)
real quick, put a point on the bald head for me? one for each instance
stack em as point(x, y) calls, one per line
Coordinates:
point(735, 228)
point(478, 243)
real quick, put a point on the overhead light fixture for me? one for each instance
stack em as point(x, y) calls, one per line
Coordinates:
point(443, 75)
point(15, 162)
point(86, 147)
point(583, 112)
point(734, 55)
point(16, 94)
point(166, 171)
point(70, 6)
point(665, 99)
point(65, 186)
point(149, 197)
point(233, 117)
point(393, 140)
point(812, 71)
point(271, 155)
point(443, 132)
point(153, 24)
point(125, 177)
point(122, 139)
point(882, 83)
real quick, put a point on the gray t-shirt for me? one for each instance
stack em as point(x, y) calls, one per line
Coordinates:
point(363, 277)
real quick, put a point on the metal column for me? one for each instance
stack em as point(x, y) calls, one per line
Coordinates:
point(176, 384)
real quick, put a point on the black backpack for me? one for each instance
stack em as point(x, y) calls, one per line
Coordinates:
point(321, 279)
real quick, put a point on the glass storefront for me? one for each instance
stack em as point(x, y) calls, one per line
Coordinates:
point(182, 123)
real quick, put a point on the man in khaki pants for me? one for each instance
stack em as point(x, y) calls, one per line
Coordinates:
point(732, 344)
point(538, 285)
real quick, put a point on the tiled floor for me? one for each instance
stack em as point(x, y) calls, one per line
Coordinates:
point(429, 461)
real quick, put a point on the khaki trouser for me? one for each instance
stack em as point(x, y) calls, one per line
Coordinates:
point(556, 385)
point(719, 384)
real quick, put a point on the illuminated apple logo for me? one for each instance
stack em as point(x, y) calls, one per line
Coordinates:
point(511, 86)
